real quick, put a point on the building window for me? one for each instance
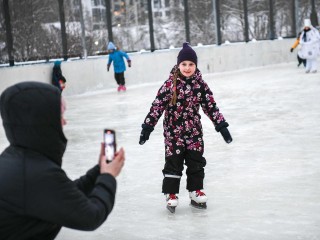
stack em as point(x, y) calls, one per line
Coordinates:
point(157, 3)
point(158, 14)
point(96, 26)
point(98, 3)
point(98, 15)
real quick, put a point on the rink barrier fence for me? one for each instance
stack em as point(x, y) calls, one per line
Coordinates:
point(91, 74)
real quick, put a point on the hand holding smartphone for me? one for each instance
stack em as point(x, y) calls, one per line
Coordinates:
point(113, 168)
point(109, 138)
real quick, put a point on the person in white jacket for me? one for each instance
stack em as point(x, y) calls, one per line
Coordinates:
point(310, 46)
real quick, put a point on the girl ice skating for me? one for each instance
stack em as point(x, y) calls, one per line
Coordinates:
point(181, 97)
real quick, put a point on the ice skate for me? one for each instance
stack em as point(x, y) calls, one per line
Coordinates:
point(172, 202)
point(198, 199)
point(124, 88)
point(119, 88)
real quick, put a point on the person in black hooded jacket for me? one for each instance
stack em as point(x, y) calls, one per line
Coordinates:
point(58, 79)
point(36, 196)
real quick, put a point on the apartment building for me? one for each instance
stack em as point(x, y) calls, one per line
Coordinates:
point(132, 11)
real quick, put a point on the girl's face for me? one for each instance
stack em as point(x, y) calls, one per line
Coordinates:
point(187, 68)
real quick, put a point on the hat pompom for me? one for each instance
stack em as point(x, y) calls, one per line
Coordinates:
point(187, 54)
point(57, 63)
point(111, 46)
point(307, 22)
point(185, 44)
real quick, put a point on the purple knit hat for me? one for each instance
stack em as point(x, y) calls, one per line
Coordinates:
point(187, 54)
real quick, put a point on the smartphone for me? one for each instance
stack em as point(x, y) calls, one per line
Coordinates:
point(109, 137)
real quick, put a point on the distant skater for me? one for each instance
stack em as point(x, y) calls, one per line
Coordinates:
point(310, 46)
point(296, 44)
point(58, 79)
point(180, 97)
point(116, 56)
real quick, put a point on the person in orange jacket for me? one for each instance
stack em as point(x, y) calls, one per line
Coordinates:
point(296, 43)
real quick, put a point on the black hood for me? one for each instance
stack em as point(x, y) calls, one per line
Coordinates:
point(31, 115)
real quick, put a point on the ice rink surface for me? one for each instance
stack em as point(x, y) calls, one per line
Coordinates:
point(264, 185)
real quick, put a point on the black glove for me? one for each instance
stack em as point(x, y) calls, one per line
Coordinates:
point(291, 50)
point(222, 128)
point(145, 133)
point(129, 63)
point(108, 67)
point(226, 135)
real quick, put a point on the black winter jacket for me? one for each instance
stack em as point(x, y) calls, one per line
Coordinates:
point(57, 76)
point(36, 196)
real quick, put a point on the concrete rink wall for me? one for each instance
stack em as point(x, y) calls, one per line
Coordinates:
point(91, 74)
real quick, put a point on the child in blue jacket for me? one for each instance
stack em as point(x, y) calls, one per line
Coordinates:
point(116, 56)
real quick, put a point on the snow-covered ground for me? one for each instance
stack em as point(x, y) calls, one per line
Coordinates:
point(264, 185)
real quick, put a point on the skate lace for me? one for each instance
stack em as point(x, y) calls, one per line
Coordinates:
point(172, 196)
point(199, 193)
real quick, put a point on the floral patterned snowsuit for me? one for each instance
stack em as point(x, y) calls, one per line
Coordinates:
point(182, 128)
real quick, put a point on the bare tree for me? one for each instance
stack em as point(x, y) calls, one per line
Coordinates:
point(30, 38)
point(201, 21)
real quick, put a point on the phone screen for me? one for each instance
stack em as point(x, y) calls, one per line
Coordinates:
point(110, 144)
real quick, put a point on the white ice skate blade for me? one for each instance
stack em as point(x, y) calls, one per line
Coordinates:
point(171, 209)
point(198, 205)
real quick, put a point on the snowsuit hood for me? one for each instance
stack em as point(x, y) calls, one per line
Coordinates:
point(307, 23)
point(57, 63)
point(111, 46)
point(31, 115)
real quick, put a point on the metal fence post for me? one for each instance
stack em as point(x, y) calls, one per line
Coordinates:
point(298, 23)
point(186, 20)
point(217, 21)
point(9, 42)
point(63, 30)
point(271, 20)
point(109, 20)
point(246, 23)
point(83, 31)
point(294, 19)
point(313, 15)
point(150, 16)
